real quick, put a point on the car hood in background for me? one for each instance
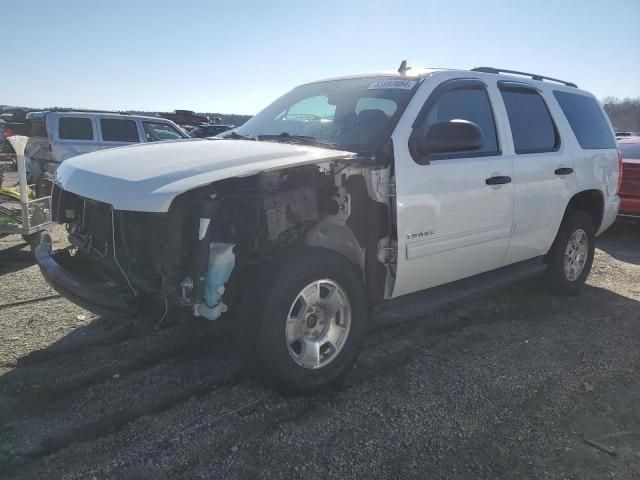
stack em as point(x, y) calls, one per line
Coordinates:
point(147, 177)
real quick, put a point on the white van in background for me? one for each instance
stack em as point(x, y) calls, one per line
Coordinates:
point(55, 136)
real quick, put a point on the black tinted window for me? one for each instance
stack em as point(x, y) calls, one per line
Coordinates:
point(465, 103)
point(532, 127)
point(586, 119)
point(73, 128)
point(114, 130)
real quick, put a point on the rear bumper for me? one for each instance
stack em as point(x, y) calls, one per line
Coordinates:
point(98, 297)
point(610, 213)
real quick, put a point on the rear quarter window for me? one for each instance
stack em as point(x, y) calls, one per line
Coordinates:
point(75, 128)
point(587, 120)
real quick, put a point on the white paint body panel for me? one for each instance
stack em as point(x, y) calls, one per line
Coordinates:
point(477, 228)
point(147, 177)
point(470, 220)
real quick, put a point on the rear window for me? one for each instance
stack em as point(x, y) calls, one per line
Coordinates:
point(74, 128)
point(532, 127)
point(587, 120)
point(115, 130)
point(630, 150)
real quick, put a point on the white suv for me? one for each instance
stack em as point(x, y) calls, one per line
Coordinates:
point(346, 202)
point(55, 136)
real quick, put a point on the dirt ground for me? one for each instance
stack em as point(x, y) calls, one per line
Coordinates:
point(517, 384)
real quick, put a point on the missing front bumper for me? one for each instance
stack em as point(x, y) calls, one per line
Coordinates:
point(100, 297)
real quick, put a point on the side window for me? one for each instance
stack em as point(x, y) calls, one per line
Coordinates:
point(75, 128)
point(157, 132)
point(115, 130)
point(468, 102)
point(532, 127)
point(586, 119)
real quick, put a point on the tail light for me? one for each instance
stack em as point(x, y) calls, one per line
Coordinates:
point(7, 132)
point(619, 171)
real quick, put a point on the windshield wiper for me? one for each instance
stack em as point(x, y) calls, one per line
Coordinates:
point(286, 137)
point(236, 136)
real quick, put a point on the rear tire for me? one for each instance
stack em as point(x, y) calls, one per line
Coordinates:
point(571, 255)
point(304, 320)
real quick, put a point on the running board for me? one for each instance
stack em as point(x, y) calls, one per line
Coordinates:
point(417, 304)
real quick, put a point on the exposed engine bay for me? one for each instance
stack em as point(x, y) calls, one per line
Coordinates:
point(203, 253)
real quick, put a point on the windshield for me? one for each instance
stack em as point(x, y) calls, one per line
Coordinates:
point(630, 150)
point(352, 114)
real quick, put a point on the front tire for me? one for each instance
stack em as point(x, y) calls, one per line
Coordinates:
point(305, 320)
point(571, 255)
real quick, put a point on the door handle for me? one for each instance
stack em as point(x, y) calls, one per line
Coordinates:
point(564, 171)
point(500, 180)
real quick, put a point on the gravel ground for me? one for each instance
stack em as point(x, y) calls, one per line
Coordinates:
point(517, 384)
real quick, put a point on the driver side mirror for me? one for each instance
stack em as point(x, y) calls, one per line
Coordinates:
point(450, 137)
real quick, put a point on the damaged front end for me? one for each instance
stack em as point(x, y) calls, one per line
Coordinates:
point(203, 252)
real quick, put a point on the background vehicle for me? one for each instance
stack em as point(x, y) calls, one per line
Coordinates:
point(185, 117)
point(12, 122)
point(209, 130)
point(630, 185)
point(626, 134)
point(377, 196)
point(55, 136)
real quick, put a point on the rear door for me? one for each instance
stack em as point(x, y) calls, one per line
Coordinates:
point(543, 169)
point(453, 220)
point(117, 131)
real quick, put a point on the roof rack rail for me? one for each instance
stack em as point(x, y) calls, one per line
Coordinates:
point(515, 72)
point(83, 110)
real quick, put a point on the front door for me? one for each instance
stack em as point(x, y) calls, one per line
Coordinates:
point(454, 209)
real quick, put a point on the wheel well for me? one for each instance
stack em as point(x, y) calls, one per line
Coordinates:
point(591, 202)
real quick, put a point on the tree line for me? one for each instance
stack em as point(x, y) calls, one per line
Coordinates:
point(624, 114)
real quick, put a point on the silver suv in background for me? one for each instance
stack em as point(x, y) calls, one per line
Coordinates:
point(56, 136)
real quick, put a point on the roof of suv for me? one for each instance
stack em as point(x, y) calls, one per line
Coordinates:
point(89, 112)
point(415, 73)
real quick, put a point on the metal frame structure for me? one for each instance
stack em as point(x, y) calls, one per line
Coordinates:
point(29, 216)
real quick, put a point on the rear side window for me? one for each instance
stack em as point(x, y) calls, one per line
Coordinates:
point(114, 130)
point(74, 128)
point(469, 103)
point(587, 120)
point(532, 127)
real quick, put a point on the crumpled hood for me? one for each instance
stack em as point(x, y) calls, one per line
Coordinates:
point(147, 177)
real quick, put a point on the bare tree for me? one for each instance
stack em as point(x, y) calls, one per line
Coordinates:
point(624, 114)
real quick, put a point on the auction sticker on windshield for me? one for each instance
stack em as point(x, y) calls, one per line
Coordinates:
point(402, 84)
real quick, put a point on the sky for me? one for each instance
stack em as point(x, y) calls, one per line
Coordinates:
point(237, 56)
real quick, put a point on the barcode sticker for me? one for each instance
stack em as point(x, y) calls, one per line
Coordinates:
point(385, 84)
